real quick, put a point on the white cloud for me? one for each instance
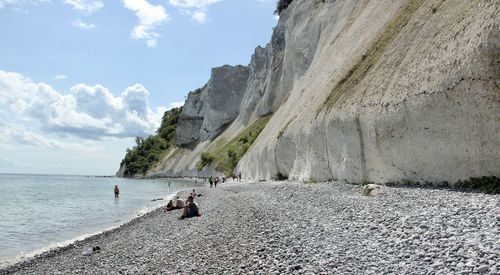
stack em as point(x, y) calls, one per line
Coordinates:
point(198, 16)
point(89, 6)
point(18, 3)
point(192, 3)
point(78, 23)
point(150, 17)
point(60, 77)
point(87, 112)
point(196, 9)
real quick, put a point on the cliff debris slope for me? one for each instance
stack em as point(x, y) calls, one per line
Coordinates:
point(363, 91)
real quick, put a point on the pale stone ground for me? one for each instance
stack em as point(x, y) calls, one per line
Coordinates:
point(283, 228)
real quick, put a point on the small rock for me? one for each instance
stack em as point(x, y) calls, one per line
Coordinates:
point(424, 227)
point(438, 263)
point(482, 269)
point(470, 263)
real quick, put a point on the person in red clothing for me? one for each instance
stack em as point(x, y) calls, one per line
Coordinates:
point(191, 209)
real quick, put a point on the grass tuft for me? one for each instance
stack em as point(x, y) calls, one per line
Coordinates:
point(310, 181)
point(207, 158)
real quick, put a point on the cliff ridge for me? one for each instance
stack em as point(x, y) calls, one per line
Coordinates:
point(362, 91)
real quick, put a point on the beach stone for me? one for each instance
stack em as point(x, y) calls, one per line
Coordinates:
point(482, 269)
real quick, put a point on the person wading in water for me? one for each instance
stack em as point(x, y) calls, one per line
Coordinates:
point(117, 191)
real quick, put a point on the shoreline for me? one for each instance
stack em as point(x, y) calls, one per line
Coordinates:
point(278, 227)
point(85, 238)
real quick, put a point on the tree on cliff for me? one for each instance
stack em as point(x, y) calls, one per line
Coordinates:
point(150, 150)
point(281, 5)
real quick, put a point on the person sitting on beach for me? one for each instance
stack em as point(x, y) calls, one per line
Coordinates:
point(193, 194)
point(170, 205)
point(179, 204)
point(191, 209)
point(117, 191)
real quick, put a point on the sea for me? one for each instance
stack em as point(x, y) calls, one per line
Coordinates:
point(40, 212)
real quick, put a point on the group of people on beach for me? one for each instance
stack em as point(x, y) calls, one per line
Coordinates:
point(213, 181)
point(190, 207)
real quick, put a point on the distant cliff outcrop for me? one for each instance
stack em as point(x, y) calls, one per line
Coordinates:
point(362, 91)
point(209, 110)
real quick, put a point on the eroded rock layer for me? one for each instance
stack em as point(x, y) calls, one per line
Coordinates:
point(381, 91)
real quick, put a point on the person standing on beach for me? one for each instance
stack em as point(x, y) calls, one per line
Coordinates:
point(239, 176)
point(211, 180)
point(117, 191)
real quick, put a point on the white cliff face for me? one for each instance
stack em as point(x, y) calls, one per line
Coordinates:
point(225, 91)
point(413, 95)
point(209, 110)
point(275, 69)
point(360, 90)
point(206, 114)
point(191, 118)
point(257, 85)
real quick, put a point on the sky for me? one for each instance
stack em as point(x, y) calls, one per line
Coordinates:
point(80, 79)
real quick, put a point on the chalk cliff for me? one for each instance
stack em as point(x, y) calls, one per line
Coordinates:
point(208, 110)
point(359, 90)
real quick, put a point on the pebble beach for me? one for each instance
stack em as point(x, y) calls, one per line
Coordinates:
point(297, 228)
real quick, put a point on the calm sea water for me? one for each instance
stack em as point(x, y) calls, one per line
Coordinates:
point(38, 212)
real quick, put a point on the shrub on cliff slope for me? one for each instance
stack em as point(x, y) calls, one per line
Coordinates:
point(206, 159)
point(226, 155)
point(150, 150)
point(281, 5)
point(489, 185)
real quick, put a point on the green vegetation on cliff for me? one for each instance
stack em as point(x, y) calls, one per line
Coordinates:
point(346, 87)
point(226, 155)
point(281, 5)
point(489, 185)
point(150, 150)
